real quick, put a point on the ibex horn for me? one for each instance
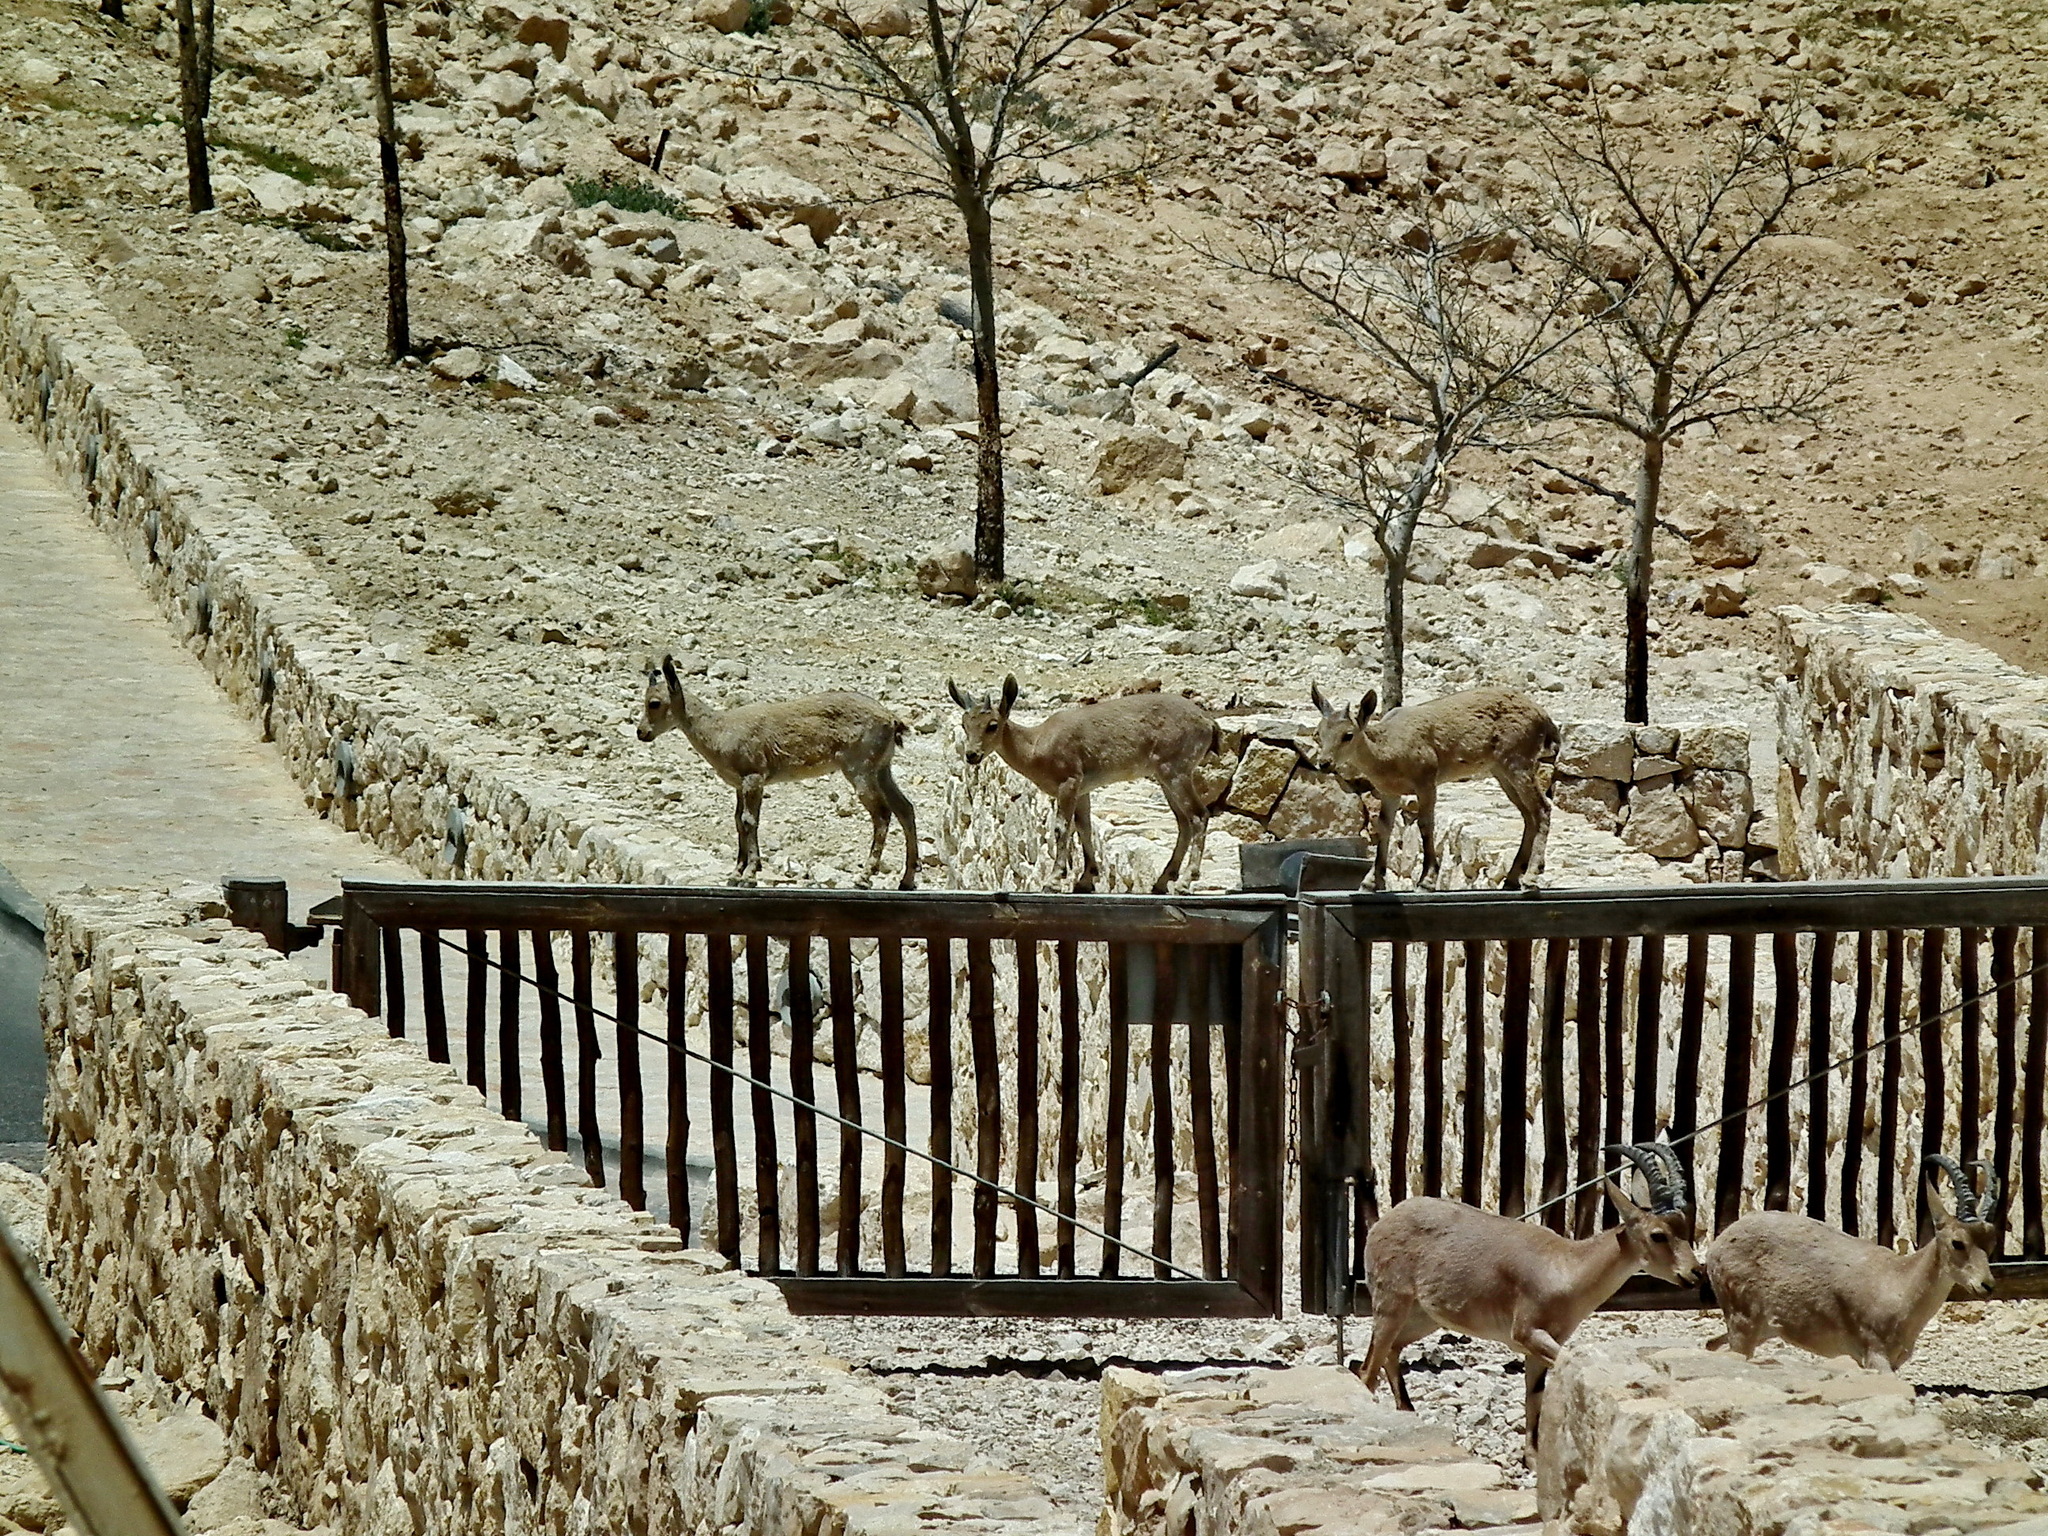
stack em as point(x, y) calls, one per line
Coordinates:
point(1958, 1181)
point(1989, 1196)
point(1662, 1171)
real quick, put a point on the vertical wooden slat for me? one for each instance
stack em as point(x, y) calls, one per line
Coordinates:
point(761, 1066)
point(1514, 1080)
point(1890, 1023)
point(1163, 998)
point(1649, 1036)
point(1584, 1215)
point(583, 1000)
point(476, 1019)
point(1933, 1072)
point(1613, 1025)
point(1478, 1103)
point(433, 1006)
point(1685, 1066)
point(939, 1037)
point(1119, 1104)
point(1201, 1097)
point(1857, 1110)
point(718, 1029)
point(846, 1096)
point(988, 1101)
point(676, 1147)
point(803, 1023)
point(1778, 1072)
point(632, 1104)
point(1026, 1174)
point(1433, 1049)
point(2034, 1114)
point(1231, 984)
point(1820, 1052)
point(394, 983)
point(1731, 1168)
point(1069, 1155)
point(511, 1094)
point(547, 985)
point(1969, 1076)
point(2005, 1089)
point(1399, 1130)
point(895, 1091)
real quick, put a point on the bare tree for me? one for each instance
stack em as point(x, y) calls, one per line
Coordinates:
point(1696, 320)
point(967, 86)
point(397, 301)
point(1446, 365)
point(195, 87)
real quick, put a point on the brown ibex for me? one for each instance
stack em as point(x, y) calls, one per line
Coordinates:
point(1781, 1275)
point(1413, 749)
point(1157, 736)
point(1441, 1264)
point(755, 745)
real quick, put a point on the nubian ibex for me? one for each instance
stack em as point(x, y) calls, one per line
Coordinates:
point(755, 745)
point(1441, 1264)
point(1413, 749)
point(1072, 753)
point(1777, 1274)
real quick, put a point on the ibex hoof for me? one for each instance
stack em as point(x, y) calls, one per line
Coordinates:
point(907, 883)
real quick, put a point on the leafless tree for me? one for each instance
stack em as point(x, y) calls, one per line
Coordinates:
point(397, 300)
point(1698, 322)
point(1443, 364)
point(195, 89)
point(976, 117)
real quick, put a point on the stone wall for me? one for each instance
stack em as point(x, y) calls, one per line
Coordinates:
point(1662, 1440)
point(1906, 754)
point(400, 1305)
point(1304, 1452)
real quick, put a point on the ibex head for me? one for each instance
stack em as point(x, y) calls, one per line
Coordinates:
point(982, 719)
point(1661, 1235)
point(1967, 1234)
point(665, 708)
point(1340, 729)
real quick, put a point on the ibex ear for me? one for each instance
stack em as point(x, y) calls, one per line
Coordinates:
point(1009, 692)
point(668, 672)
point(1937, 1206)
point(1368, 704)
point(959, 698)
point(1622, 1203)
point(1315, 694)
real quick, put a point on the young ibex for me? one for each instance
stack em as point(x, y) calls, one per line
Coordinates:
point(1781, 1275)
point(1411, 750)
point(1440, 1264)
point(756, 745)
point(1157, 736)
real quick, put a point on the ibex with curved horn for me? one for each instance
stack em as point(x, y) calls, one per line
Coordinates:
point(1440, 1264)
point(1777, 1274)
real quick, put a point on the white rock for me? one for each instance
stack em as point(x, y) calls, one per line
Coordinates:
point(1300, 541)
point(1261, 578)
point(1660, 825)
point(462, 363)
point(509, 372)
point(1511, 601)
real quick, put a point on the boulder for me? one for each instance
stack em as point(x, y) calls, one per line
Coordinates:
point(1596, 750)
point(1597, 800)
point(1261, 776)
point(1720, 745)
point(242, 284)
point(506, 93)
point(237, 1494)
point(879, 18)
point(772, 197)
point(462, 363)
point(1722, 805)
point(1301, 541)
point(1356, 165)
point(1723, 597)
point(947, 571)
point(465, 494)
point(186, 1451)
point(1317, 804)
point(943, 395)
point(1262, 578)
point(1729, 542)
point(1842, 584)
point(1660, 825)
point(723, 15)
point(472, 240)
point(1137, 457)
point(777, 291)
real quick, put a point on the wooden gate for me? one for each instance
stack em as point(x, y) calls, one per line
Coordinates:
point(1803, 1047)
point(1032, 1105)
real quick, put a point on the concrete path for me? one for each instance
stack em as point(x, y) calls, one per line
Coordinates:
point(120, 761)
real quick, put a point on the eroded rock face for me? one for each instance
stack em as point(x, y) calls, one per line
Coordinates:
point(1133, 458)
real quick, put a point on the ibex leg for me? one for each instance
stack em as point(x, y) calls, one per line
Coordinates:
point(1425, 814)
point(878, 813)
point(1383, 838)
point(1084, 829)
point(749, 817)
point(1181, 799)
point(899, 805)
point(1528, 798)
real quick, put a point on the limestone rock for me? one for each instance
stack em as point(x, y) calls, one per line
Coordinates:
point(1262, 578)
point(462, 363)
point(723, 15)
point(1261, 775)
point(1660, 825)
point(1720, 745)
point(237, 1494)
point(1317, 804)
point(23, 1202)
point(947, 572)
point(468, 241)
point(1722, 598)
point(466, 493)
point(1842, 584)
point(242, 283)
point(1730, 541)
point(772, 196)
point(1301, 541)
point(778, 291)
point(1597, 800)
point(186, 1451)
point(1721, 805)
point(506, 93)
point(1136, 457)
point(1356, 165)
point(1597, 750)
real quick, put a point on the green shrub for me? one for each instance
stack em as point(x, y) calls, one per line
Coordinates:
point(627, 197)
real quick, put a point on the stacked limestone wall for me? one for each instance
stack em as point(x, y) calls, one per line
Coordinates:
point(401, 1304)
point(1906, 754)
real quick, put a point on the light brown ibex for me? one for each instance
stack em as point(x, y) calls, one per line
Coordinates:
point(1072, 753)
point(755, 745)
point(1413, 749)
point(1777, 1274)
point(1441, 1264)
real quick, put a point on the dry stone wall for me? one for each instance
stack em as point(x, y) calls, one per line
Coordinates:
point(404, 1309)
point(1660, 1440)
point(1906, 754)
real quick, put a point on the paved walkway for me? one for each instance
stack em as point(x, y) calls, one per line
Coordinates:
point(120, 761)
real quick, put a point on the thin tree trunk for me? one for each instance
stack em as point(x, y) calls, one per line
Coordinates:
point(113, 10)
point(988, 458)
point(192, 107)
point(206, 58)
point(1393, 638)
point(1636, 673)
point(398, 316)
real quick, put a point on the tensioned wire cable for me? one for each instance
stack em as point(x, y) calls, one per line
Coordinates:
point(1736, 1114)
point(818, 1109)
